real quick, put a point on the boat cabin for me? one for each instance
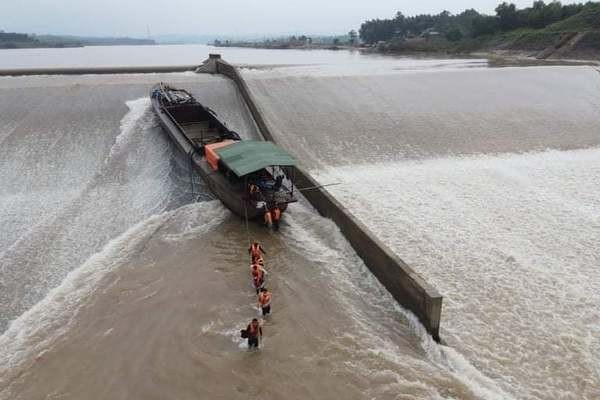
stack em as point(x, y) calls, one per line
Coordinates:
point(264, 169)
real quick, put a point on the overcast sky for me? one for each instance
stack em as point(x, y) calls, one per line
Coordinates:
point(226, 17)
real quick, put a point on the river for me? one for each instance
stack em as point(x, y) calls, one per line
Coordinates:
point(116, 284)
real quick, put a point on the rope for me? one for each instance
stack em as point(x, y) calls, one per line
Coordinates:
point(246, 213)
point(192, 151)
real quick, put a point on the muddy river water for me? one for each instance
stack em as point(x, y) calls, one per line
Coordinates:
point(116, 284)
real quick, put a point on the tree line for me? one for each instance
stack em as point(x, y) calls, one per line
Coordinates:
point(471, 23)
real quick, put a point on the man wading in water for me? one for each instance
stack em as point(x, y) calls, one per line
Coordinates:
point(255, 251)
point(253, 333)
point(264, 301)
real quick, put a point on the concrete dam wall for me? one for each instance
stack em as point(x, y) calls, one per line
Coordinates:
point(408, 288)
point(95, 70)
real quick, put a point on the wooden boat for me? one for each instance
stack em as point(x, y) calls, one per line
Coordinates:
point(248, 176)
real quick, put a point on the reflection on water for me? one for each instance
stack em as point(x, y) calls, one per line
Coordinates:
point(111, 56)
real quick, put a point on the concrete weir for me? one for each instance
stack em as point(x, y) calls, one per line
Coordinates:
point(408, 288)
point(95, 70)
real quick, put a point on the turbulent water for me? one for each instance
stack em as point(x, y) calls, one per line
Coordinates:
point(115, 284)
point(488, 183)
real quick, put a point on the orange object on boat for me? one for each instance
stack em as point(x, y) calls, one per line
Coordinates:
point(211, 155)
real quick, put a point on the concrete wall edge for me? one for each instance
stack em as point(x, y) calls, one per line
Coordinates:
point(409, 289)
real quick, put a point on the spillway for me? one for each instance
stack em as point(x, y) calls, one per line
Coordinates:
point(486, 182)
point(116, 284)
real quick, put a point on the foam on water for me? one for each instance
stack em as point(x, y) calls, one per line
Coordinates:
point(511, 241)
point(56, 224)
point(39, 328)
point(365, 66)
point(372, 306)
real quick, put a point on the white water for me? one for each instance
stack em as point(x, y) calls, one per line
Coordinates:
point(54, 225)
point(372, 307)
point(508, 239)
point(511, 242)
point(40, 328)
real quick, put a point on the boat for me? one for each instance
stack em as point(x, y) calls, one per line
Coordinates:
point(250, 177)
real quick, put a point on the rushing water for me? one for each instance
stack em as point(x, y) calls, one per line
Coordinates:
point(487, 182)
point(119, 274)
point(115, 285)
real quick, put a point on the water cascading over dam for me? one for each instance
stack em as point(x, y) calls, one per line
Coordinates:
point(115, 285)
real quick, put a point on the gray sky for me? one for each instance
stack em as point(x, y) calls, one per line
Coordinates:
point(231, 17)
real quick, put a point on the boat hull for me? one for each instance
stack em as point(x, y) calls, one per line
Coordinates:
point(235, 200)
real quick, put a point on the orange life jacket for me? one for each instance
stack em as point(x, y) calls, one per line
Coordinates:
point(258, 280)
point(253, 330)
point(256, 270)
point(264, 298)
point(255, 250)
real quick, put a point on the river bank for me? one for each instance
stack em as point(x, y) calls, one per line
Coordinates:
point(13, 40)
point(515, 46)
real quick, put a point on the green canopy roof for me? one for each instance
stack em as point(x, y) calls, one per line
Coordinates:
point(248, 156)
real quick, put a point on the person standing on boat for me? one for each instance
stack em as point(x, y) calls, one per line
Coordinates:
point(264, 301)
point(268, 218)
point(254, 191)
point(255, 251)
point(253, 333)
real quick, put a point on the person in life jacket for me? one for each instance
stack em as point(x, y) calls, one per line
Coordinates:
point(258, 265)
point(258, 278)
point(264, 301)
point(255, 269)
point(254, 190)
point(268, 218)
point(255, 251)
point(253, 333)
point(275, 217)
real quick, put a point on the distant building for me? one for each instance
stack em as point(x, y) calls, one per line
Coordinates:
point(429, 32)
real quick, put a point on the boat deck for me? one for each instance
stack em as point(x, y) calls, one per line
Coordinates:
point(199, 132)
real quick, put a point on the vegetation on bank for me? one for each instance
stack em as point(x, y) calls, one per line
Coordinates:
point(12, 40)
point(543, 27)
point(295, 42)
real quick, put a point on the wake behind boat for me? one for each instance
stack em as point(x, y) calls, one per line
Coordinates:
point(252, 178)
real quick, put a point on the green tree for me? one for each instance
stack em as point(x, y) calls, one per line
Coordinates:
point(454, 35)
point(507, 16)
point(352, 36)
point(484, 25)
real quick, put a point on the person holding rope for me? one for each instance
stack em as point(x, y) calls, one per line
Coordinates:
point(268, 217)
point(255, 251)
point(257, 268)
point(258, 277)
point(275, 217)
point(253, 333)
point(264, 301)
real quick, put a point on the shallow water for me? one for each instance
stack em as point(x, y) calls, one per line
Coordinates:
point(173, 293)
